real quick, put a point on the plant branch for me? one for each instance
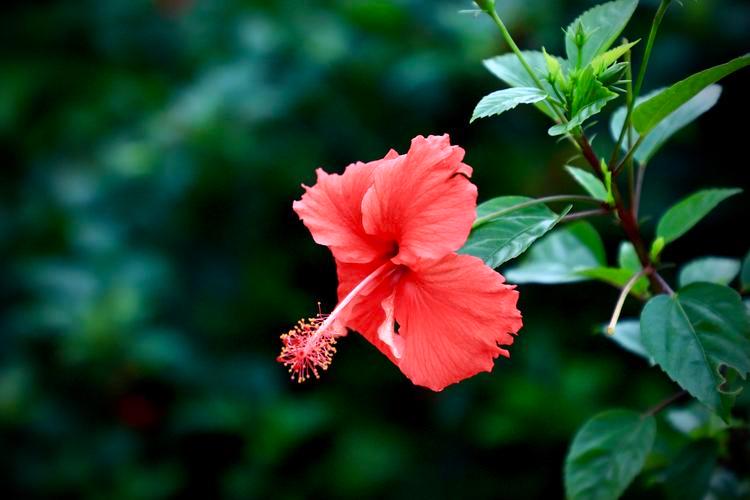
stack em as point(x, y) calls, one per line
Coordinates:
point(627, 219)
point(629, 100)
point(663, 6)
point(628, 222)
point(509, 40)
point(585, 214)
point(536, 201)
point(641, 74)
point(512, 44)
point(665, 286)
point(666, 402)
point(628, 157)
point(636, 205)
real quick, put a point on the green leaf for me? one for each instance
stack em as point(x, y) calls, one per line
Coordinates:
point(745, 274)
point(554, 68)
point(629, 265)
point(725, 485)
point(605, 60)
point(508, 68)
point(687, 213)
point(628, 336)
point(627, 257)
point(693, 334)
point(720, 270)
point(578, 119)
point(688, 477)
point(560, 255)
point(607, 453)
point(509, 235)
point(695, 420)
point(503, 100)
point(589, 182)
point(612, 75)
point(617, 277)
point(651, 112)
point(671, 124)
point(589, 98)
point(589, 91)
point(602, 25)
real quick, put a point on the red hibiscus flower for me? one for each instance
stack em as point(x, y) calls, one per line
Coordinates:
point(393, 226)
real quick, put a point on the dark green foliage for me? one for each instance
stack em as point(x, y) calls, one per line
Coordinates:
point(559, 257)
point(607, 453)
point(509, 231)
point(695, 336)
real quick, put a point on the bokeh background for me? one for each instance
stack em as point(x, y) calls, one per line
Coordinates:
point(151, 150)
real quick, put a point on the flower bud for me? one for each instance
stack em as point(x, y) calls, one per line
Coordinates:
point(580, 35)
point(613, 74)
point(486, 5)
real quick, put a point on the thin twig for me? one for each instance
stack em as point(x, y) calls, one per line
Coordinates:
point(628, 222)
point(629, 156)
point(536, 201)
point(663, 404)
point(641, 74)
point(638, 188)
point(585, 214)
point(631, 180)
point(512, 44)
point(665, 286)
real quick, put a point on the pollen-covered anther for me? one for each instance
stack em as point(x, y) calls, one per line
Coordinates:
point(308, 348)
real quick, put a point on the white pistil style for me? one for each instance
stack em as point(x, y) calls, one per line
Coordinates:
point(621, 301)
point(309, 346)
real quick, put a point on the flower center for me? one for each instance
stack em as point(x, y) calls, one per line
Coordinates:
point(310, 345)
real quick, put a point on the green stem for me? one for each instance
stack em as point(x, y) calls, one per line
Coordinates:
point(663, 6)
point(509, 40)
point(585, 214)
point(628, 156)
point(628, 221)
point(629, 73)
point(636, 204)
point(530, 203)
point(641, 73)
point(663, 404)
point(664, 285)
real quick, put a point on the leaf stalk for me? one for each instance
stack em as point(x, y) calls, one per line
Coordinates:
point(536, 201)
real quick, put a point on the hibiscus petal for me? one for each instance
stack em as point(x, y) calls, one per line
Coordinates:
point(387, 329)
point(332, 211)
point(423, 200)
point(367, 314)
point(452, 316)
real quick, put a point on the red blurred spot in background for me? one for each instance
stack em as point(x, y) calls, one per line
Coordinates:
point(137, 411)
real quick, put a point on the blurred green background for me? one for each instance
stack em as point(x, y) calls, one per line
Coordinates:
point(151, 150)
